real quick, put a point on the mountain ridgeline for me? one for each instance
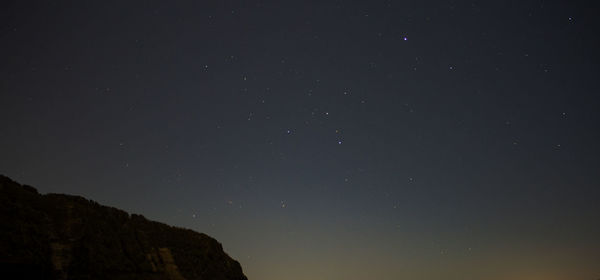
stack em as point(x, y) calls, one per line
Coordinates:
point(56, 236)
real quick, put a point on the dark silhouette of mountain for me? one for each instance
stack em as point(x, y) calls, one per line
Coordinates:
point(56, 236)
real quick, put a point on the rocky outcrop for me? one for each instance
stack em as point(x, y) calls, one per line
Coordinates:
point(57, 236)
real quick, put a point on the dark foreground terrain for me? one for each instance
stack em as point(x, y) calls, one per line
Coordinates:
point(57, 236)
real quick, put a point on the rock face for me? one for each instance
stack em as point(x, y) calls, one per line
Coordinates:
point(57, 236)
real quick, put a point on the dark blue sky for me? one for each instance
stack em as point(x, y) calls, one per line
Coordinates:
point(326, 139)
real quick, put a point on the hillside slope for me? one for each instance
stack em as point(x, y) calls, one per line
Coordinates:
point(57, 236)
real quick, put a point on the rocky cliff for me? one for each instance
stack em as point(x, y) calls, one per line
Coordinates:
point(57, 236)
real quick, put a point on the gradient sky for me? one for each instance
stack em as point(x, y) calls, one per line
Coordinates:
point(322, 140)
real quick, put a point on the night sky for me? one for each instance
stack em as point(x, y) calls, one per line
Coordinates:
point(322, 140)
